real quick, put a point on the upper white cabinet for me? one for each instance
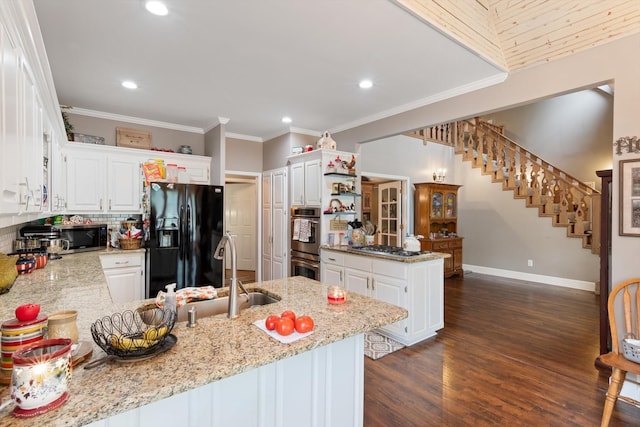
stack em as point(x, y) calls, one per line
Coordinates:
point(101, 181)
point(86, 180)
point(306, 181)
point(27, 101)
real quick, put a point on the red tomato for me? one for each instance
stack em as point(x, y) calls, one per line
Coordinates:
point(285, 326)
point(290, 314)
point(304, 324)
point(270, 322)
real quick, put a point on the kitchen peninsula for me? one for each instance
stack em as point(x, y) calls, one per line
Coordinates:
point(221, 370)
point(412, 280)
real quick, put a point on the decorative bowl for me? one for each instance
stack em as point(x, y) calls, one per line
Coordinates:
point(40, 376)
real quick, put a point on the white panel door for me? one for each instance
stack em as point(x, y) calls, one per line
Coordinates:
point(240, 220)
point(280, 259)
point(267, 238)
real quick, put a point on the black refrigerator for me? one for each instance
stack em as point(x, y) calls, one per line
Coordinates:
point(185, 226)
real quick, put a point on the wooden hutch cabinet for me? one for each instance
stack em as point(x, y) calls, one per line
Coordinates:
point(436, 218)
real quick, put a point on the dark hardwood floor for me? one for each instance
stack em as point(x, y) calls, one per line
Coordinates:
point(511, 354)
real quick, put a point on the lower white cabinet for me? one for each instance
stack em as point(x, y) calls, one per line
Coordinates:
point(321, 387)
point(125, 275)
point(416, 286)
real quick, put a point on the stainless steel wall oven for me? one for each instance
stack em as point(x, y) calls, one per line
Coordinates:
point(305, 242)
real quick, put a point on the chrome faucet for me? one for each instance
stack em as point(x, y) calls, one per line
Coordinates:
point(234, 308)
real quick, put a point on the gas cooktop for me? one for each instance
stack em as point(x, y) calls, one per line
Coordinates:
point(387, 250)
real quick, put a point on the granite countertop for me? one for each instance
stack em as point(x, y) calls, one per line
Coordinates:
point(430, 256)
point(216, 348)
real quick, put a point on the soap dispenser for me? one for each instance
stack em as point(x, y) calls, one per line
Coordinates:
point(170, 302)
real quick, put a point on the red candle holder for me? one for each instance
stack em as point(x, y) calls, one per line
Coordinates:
point(336, 295)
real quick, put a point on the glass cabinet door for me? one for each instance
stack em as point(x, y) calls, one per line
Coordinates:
point(450, 206)
point(436, 205)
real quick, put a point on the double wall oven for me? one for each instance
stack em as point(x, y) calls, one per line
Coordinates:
point(305, 242)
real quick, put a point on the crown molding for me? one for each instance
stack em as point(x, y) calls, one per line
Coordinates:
point(243, 137)
point(129, 119)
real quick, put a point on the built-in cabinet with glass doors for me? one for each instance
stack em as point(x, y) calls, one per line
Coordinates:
point(436, 218)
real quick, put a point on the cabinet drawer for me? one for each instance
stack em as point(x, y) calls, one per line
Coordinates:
point(121, 260)
point(332, 257)
point(358, 262)
point(390, 268)
point(440, 245)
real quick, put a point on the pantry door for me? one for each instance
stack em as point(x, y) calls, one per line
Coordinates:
point(240, 221)
point(389, 213)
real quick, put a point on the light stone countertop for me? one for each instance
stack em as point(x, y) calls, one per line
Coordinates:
point(216, 348)
point(409, 259)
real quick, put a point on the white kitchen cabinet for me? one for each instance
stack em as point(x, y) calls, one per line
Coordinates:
point(102, 180)
point(21, 133)
point(416, 286)
point(306, 182)
point(332, 268)
point(86, 180)
point(124, 184)
point(125, 275)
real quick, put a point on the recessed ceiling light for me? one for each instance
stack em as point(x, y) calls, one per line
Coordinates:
point(286, 120)
point(130, 85)
point(365, 84)
point(157, 8)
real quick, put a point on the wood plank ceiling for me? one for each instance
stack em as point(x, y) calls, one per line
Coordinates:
point(515, 34)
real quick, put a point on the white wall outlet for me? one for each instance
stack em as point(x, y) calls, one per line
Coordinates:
point(529, 263)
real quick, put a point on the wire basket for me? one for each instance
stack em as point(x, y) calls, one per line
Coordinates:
point(130, 243)
point(126, 334)
point(631, 351)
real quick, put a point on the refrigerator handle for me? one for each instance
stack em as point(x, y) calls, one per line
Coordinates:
point(181, 234)
point(189, 231)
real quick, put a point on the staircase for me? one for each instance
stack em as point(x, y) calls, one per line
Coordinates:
point(556, 194)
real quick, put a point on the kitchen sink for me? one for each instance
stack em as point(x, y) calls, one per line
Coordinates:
point(212, 307)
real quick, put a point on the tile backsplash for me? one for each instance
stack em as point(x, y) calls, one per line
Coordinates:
point(8, 234)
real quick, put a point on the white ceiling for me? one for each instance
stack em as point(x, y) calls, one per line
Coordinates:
point(253, 62)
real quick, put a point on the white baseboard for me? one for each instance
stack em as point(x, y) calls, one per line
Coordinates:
point(538, 278)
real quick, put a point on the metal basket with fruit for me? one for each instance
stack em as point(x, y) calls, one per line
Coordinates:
point(127, 335)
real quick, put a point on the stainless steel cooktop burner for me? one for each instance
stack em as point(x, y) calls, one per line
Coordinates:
point(388, 250)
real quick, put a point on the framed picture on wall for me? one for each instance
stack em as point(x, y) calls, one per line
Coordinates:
point(630, 197)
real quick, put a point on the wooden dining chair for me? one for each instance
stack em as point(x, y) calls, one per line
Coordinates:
point(624, 307)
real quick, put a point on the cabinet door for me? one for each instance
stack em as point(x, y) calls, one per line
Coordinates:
point(124, 284)
point(312, 183)
point(10, 149)
point(357, 281)
point(332, 274)
point(32, 142)
point(393, 291)
point(198, 172)
point(297, 184)
point(124, 185)
point(86, 181)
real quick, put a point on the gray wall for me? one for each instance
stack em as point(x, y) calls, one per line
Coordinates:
point(242, 155)
point(160, 137)
point(277, 150)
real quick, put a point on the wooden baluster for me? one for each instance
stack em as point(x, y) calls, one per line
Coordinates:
point(570, 200)
point(637, 330)
point(468, 154)
point(578, 225)
point(499, 175)
point(523, 187)
point(563, 214)
point(545, 191)
point(477, 161)
point(549, 205)
point(510, 183)
point(535, 199)
point(557, 193)
point(487, 168)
